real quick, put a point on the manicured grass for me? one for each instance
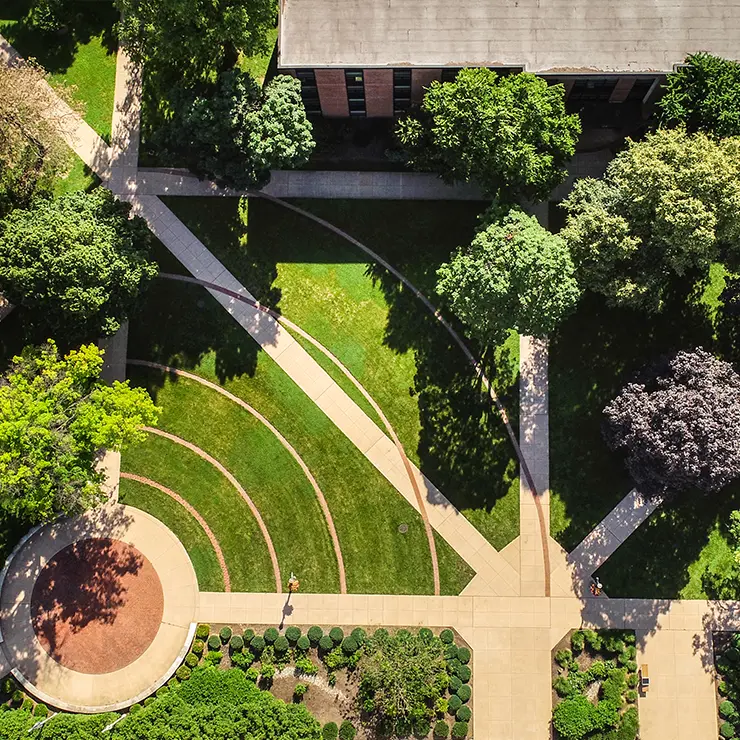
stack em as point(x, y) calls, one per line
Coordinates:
point(85, 56)
point(259, 64)
point(80, 177)
point(597, 351)
point(381, 332)
point(668, 555)
point(184, 526)
point(215, 499)
point(269, 475)
point(182, 325)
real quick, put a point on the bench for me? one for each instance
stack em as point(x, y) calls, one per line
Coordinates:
point(644, 678)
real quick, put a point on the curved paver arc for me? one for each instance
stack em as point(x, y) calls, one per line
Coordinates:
point(69, 690)
point(389, 428)
point(195, 514)
point(240, 490)
point(458, 340)
point(283, 441)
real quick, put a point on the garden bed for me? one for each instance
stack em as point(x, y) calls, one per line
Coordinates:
point(595, 686)
point(341, 675)
point(726, 649)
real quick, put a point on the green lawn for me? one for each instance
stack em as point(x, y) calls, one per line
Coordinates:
point(183, 524)
point(215, 499)
point(259, 64)
point(182, 325)
point(269, 475)
point(85, 56)
point(382, 333)
point(591, 358)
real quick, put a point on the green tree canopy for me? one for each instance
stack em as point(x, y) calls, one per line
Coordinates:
point(668, 206)
point(514, 275)
point(55, 418)
point(704, 95)
point(511, 135)
point(191, 38)
point(235, 132)
point(78, 262)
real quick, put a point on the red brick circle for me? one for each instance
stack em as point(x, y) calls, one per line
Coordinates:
point(97, 605)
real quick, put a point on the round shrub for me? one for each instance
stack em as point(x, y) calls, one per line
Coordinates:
point(463, 714)
point(453, 704)
point(631, 667)
point(727, 709)
point(573, 717)
point(162, 691)
point(563, 657)
point(336, 634)
point(632, 680)
point(440, 706)
point(447, 636)
point(191, 660)
point(441, 729)
point(563, 687)
point(303, 643)
point(631, 696)
point(727, 730)
point(330, 731)
point(214, 642)
point(252, 674)
point(202, 631)
point(349, 645)
point(17, 697)
point(315, 634)
point(270, 635)
point(183, 673)
point(459, 730)
point(281, 644)
point(463, 673)
point(214, 656)
point(463, 655)
point(248, 635)
point(453, 665)
point(455, 684)
point(173, 682)
point(381, 633)
point(422, 727)
point(292, 634)
point(257, 644)
point(723, 688)
point(300, 690)
point(403, 633)
point(464, 692)
point(347, 731)
point(326, 643)
point(149, 700)
point(577, 641)
point(40, 710)
point(426, 634)
point(225, 634)
point(451, 652)
point(134, 708)
point(236, 642)
point(198, 647)
point(360, 636)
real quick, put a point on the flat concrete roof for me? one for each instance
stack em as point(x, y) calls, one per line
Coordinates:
point(540, 35)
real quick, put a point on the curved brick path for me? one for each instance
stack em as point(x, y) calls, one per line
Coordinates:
point(284, 442)
point(194, 512)
point(391, 432)
point(234, 482)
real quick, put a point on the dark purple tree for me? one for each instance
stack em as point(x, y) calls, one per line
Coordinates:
point(679, 424)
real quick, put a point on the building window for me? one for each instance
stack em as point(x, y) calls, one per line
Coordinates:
point(309, 91)
point(641, 88)
point(401, 91)
point(593, 89)
point(449, 74)
point(355, 92)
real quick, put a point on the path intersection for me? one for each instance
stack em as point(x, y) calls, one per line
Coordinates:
point(521, 601)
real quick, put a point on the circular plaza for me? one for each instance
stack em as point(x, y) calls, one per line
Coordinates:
point(97, 611)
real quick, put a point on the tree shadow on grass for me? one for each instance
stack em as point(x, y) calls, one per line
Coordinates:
point(593, 354)
point(56, 52)
point(463, 445)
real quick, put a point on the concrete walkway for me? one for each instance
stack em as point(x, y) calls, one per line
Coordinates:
point(71, 690)
point(604, 539)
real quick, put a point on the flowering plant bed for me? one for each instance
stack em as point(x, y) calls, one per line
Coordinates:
point(395, 684)
point(595, 686)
